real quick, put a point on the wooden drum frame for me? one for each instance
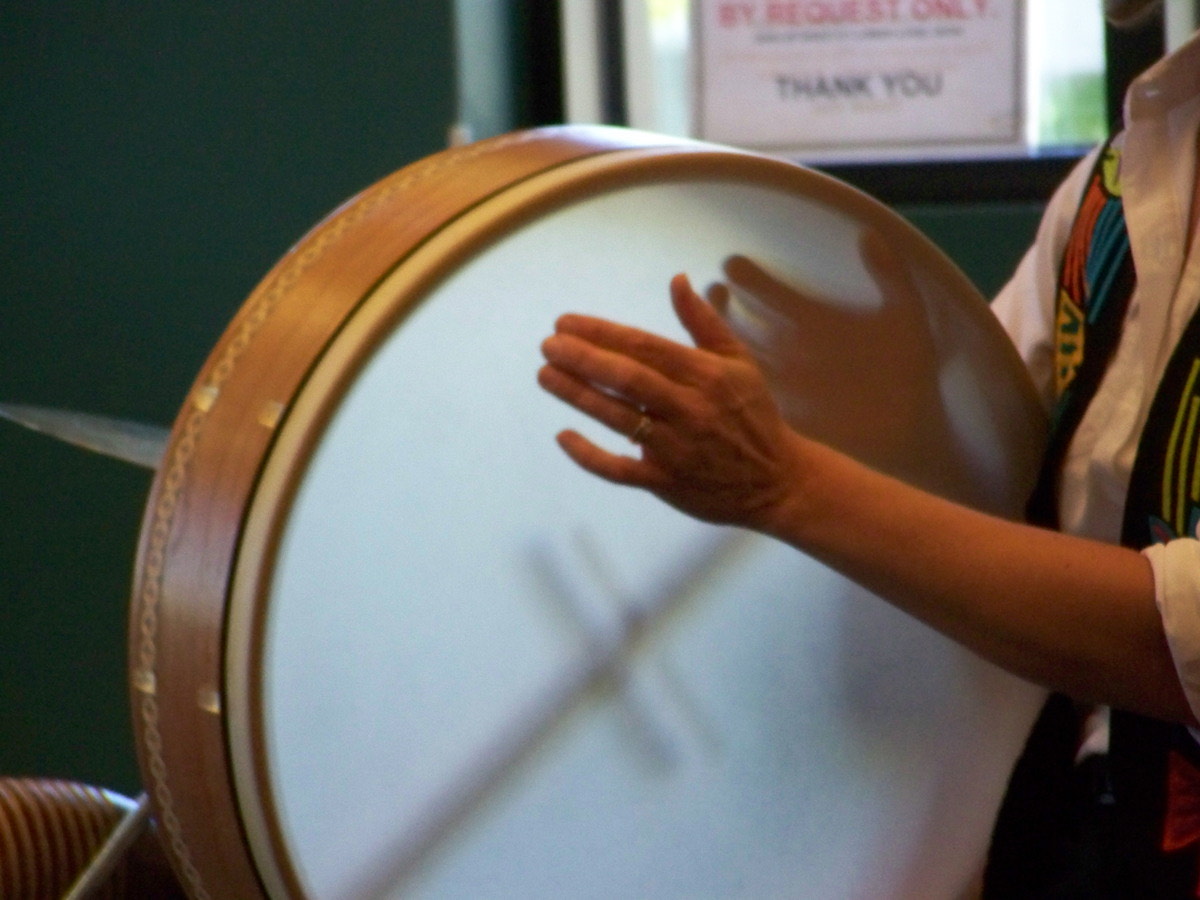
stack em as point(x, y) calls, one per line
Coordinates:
point(207, 662)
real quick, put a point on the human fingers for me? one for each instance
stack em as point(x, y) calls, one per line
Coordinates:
point(619, 415)
point(613, 467)
point(703, 320)
point(618, 376)
point(653, 350)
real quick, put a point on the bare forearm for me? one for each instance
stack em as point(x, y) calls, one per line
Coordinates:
point(1073, 614)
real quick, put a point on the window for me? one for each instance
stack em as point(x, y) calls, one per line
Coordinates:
point(1004, 46)
point(642, 63)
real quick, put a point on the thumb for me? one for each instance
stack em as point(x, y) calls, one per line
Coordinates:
point(702, 321)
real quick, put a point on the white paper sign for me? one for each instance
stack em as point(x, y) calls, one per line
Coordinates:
point(836, 78)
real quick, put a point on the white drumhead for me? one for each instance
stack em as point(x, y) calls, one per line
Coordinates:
point(459, 667)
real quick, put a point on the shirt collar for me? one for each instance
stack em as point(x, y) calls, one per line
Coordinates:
point(1173, 80)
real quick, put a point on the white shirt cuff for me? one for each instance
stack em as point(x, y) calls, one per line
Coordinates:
point(1176, 567)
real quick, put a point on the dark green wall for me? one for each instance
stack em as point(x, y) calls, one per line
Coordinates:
point(155, 160)
point(153, 165)
point(985, 239)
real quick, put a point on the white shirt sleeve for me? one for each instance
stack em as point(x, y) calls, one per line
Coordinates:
point(1176, 566)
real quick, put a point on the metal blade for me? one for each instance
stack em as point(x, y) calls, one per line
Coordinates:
point(112, 852)
point(131, 442)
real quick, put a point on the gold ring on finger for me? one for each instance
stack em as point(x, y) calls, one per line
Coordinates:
point(642, 431)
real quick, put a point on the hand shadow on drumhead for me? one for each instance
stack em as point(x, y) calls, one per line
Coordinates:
point(863, 379)
point(866, 379)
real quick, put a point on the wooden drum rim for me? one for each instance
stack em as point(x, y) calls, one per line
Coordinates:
point(194, 544)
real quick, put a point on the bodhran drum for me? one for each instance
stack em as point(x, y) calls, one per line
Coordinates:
point(386, 640)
